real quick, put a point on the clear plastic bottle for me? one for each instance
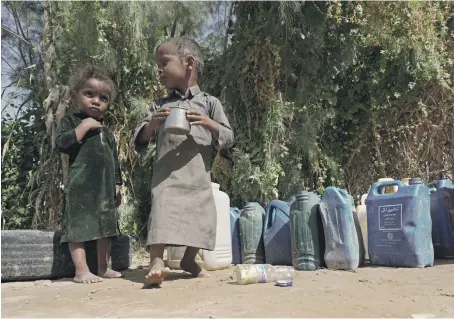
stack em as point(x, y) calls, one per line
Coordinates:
point(262, 273)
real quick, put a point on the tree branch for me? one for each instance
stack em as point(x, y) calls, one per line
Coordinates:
point(174, 28)
point(18, 36)
point(6, 61)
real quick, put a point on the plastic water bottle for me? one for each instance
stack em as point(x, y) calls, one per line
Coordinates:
point(262, 273)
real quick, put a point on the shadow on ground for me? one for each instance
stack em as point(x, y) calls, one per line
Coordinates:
point(138, 276)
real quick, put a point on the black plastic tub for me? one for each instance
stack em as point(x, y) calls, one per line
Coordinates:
point(35, 254)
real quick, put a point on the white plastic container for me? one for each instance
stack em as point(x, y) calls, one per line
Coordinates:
point(175, 254)
point(221, 256)
point(361, 211)
point(406, 181)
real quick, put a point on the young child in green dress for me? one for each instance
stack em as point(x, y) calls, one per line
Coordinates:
point(94, 173)
point(183, 212)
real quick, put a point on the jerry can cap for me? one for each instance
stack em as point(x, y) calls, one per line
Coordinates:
point(284, 283)
point(416, 180)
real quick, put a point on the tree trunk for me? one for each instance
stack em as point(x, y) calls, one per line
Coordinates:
point(47, 201)
point(49, 46)
point(228, 29)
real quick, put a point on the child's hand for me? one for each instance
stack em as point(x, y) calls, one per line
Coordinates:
point(197, 118)
point(91, 124)
point(117, 195)
point(159, 116)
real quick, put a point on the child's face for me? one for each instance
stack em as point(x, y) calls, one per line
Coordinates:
point(173, 71)
point(94, 97)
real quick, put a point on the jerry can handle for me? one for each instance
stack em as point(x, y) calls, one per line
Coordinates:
point(443, 183)
point(270, 216)
point(236, 211)
point(377, 185)
point(363, 199)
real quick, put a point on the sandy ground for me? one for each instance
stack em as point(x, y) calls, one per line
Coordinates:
point(367, 292)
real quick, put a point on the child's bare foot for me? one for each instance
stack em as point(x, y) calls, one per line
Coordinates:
point(110, 274)
point(158, 271)
point(86, 278)
point(192, 267)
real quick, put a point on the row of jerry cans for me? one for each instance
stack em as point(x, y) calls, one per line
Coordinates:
point(310, 232)
point(257, 233)
point(437, 213)
point(293, 233)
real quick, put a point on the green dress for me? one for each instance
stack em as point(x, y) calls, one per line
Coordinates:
point(88, 208)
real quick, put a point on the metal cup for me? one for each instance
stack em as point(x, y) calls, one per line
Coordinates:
point(176, 122)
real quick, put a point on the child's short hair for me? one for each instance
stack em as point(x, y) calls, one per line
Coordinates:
point(183, 47)
point(83, 74)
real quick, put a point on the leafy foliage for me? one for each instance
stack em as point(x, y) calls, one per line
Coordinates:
point(22, 127)
point(347, 84)
point(319, 94)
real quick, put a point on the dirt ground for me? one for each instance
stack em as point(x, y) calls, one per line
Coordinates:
point(367, 292)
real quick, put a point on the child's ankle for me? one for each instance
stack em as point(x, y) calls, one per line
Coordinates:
point(156, 251)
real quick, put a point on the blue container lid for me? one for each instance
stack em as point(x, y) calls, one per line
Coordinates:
point(443, 183)
point(284, 283)
point(416, 180)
